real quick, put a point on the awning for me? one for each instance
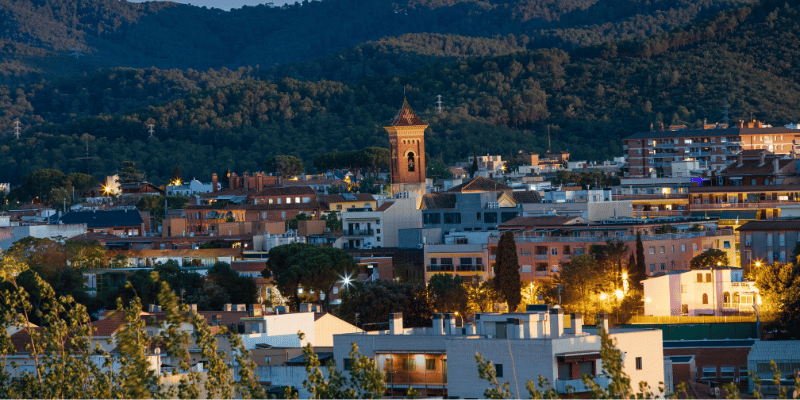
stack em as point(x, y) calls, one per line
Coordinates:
point(578, 356)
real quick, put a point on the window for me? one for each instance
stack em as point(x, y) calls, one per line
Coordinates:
point(726, 244)
point(432, 218)
point(525, 251)
point(553, 251)
point(705, 298)
point(525, 268)
point(499, 369)
point(661, 250)
point(638, 363)
point(271, 200)
point(490, 217)
point(727, 373)
point(507, 216)
point(466, 261)
point(652, 267)
point(683, 288)
point(447, 261)
point(564, 371)
point(288, 200)
point(652, 250)
point(694, 246)
point(587, 368)
point(565, 251)
point(478, 216)
point(433, 261)
point(452, 218)
point(683, 247)
point(408, 364)
point(673, 248)
point(708, 277)
point(411, 162)
point(743, 372)
point(699, 278)
point(348, 363)
point(709, 372)
point(297, 200)
point(663, 267)
point(430, 364)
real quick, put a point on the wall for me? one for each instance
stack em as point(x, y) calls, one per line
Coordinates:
point(11, 234)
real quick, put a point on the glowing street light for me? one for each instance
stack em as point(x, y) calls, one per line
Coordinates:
point(619, 294)
point(603, 296)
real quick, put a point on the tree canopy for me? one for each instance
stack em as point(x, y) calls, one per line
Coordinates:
point(709, 259)
point(507, 280)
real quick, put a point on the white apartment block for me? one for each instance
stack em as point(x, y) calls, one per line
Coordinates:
point(718, 291)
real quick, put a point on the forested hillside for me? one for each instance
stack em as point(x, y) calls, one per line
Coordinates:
point(588, 98)
point(64, 37)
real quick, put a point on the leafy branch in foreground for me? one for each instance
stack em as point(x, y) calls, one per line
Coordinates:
point(69, 362)
point(365, 380)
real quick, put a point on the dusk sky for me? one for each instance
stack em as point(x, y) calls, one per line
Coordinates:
point(225, 4)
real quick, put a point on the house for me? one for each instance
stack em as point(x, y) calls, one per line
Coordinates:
point(139, 189)
point(709, 291)
point(11, 234)
point(368, 228)
point(786, 353)
point(345, 201)
point(440, 361)
point(768, 241)
point(191, 188)
point(118, 222)
point(469, 261)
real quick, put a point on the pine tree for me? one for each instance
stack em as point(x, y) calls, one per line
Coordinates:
point(641, 265)
point(507, 279)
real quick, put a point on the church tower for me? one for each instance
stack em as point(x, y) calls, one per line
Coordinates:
point(407, 150)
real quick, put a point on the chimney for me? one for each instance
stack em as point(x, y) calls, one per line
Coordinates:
point(556, 322)
point(193, 307)
point(602, 321)
point(246, 182)
point(227, 307)
point(260, 182)
point(214, 182)
point(438, 327)
point(775, 166)
point(256, 310)
point(577, 323)
point(396, 324)
point(151, 308)
point(761, 158)
point(233, 181)
point(740, 159)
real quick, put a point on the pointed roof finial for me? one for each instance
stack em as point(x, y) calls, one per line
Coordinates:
point(406, 117)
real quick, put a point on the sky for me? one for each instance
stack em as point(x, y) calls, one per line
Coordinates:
point(226, 4)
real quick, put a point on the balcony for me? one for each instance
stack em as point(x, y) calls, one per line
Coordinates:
point(541, 273)
point(469, 268)
point(405, 379)
point(699, 154)
point(665, 145)
point(578, 386)
point(540, 257)
point(358, 232)
point(440, 267)
point(761, 204)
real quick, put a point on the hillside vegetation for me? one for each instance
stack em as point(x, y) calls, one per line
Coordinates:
point(588, 98)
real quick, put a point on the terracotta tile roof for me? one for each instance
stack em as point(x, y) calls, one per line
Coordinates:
point(109, 325)
point(385, 206)
point(248, 266)
point(771, 225)
point(754, 167)
point(481, 184)
point(20, 340)
point(406, 117)
point(526, 197)
point(440, 201)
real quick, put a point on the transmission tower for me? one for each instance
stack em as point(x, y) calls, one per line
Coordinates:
point(725, 112)
point(151, 131)
point(439, 103)
point(17, 131)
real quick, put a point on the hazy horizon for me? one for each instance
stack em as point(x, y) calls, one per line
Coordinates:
point(224, 4)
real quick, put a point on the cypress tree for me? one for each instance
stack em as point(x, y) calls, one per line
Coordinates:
point(641, 266)
point(507, 280)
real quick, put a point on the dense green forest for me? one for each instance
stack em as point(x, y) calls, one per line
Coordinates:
point(588, 97)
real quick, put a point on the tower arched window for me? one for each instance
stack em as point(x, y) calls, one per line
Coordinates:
point(411, 166)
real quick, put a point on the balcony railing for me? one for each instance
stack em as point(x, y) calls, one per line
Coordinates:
point(470, 268)
point(600, 239)
point(540, 257)
point(440, 267)
point(665, 145)
point(358, 232)
point(406, 379)
point(761, 204)
point(578, 386)
point(541, 273)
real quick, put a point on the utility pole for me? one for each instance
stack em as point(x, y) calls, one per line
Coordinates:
point(725, 112)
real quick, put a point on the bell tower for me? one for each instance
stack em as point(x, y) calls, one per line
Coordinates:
point(407, 151)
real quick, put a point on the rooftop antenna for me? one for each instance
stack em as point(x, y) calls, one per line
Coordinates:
point(151, 131)
point(76, 52)
point(439, 103)
point(725, 112)
point(17, 131)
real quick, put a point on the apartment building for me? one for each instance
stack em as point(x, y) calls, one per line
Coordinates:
point(440, 361)
point(544, 243)
point(714, 148)
point(366, 228)
point(469, 261)
point(709, 291)
point(768, 241)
